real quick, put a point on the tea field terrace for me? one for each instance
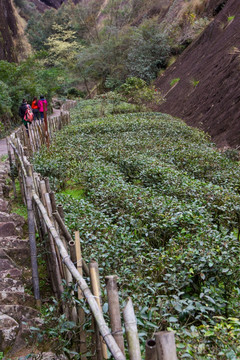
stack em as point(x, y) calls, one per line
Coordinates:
point(157, 204)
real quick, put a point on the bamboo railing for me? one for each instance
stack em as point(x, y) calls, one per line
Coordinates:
point(47, 218)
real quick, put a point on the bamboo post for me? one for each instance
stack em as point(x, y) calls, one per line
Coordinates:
point(66, 234)
point(81, 313)
point(60, 211)
point(47, 183)
point(56, 271)
point(46, 125)
point(131, 331)
point(54, 249)
point(32, 242)
point(165, 344)
point(53, 201)
point(95, 282)
point(96, 343)
point(114, 310)
point(105, 332)
point(150, 350)
point(11, 169)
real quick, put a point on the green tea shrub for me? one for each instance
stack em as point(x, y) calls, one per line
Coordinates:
point(160, 209)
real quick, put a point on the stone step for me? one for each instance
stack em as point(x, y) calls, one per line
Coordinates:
point(5, 261)
point(15, 323)
point(11, 274)
point(11, 285)
point(17, 219)
point(12, 242)
point(16, 249)
point(7, 229)
point(4, 206)
point(16, 298)
point(20, 312)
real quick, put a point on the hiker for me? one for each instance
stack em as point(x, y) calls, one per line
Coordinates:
point(35, 108)
point(26, 114)
point(40, 106)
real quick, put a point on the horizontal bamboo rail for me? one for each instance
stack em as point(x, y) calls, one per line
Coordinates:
point(49, 219)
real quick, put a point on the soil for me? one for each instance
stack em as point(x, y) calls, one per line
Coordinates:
point(207, 95)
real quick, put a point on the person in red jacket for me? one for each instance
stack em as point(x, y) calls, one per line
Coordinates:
point(41, 106)
point(35, 108)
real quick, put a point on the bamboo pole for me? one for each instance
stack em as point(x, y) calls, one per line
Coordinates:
point(60, 211)
point(96, 342)
point(106, 334)
point(150, 350)
point(32, 242)
point(131, 331)
point(53, 201)
point(81, 313)
point(114, 310)
point(11, 169)
point(47, 183)
point(165, 344)
point(95, 282)
point(54, 249)
point(46, 125)
point(67, 235)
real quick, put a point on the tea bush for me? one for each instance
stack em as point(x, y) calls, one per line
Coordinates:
point(160, 209)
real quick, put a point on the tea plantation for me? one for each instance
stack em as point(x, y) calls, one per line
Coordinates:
point(157, 204)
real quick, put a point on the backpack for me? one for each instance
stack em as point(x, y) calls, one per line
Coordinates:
point(28, 114)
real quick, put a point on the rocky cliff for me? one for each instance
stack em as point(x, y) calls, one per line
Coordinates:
point(13, 44)
point(202, 86)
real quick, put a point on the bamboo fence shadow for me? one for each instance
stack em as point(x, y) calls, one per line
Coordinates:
point(47, 218)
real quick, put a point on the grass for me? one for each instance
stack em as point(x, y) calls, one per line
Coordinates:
point(74, 190)
point(18, 206)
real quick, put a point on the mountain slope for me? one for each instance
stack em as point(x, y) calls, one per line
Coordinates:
point(207, 94)
point(13, 44)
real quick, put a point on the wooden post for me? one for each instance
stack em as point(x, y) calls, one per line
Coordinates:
point(131, 331)
point(94, 276)
point(114, 310)
point(32, 242)
point(150, 350)
point(46, 125)
point(165, 343)
point(81, 313)
point(113, 347)
point(67, 236)
point(11, 169)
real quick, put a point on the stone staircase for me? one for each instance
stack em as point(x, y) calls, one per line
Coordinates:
point(17, 312)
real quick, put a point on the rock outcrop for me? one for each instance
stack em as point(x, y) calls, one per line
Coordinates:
point(13, 44)
point(17, 312)
point(206, 92)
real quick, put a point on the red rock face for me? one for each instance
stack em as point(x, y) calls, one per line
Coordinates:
point(8, 31)
point(207, 95)
point(42, 5)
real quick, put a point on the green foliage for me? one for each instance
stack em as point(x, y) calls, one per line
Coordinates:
point(57, 332)
point(174, 81)
point(25, 80)
point(148, 51)
point(160, 209)
point(230, 18)
point(62, 45)
point(5, 99)
point(121, 53)
point(137, 92)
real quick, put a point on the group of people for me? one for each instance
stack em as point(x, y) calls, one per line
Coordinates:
point(33, 112)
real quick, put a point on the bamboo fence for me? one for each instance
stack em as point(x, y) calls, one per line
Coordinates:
point(65, 261)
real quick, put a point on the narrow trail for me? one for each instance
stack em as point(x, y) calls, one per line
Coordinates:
point(3, 143)
point(18, 312)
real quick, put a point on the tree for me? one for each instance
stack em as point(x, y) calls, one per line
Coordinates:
point(148, 52)
point(62, 45)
